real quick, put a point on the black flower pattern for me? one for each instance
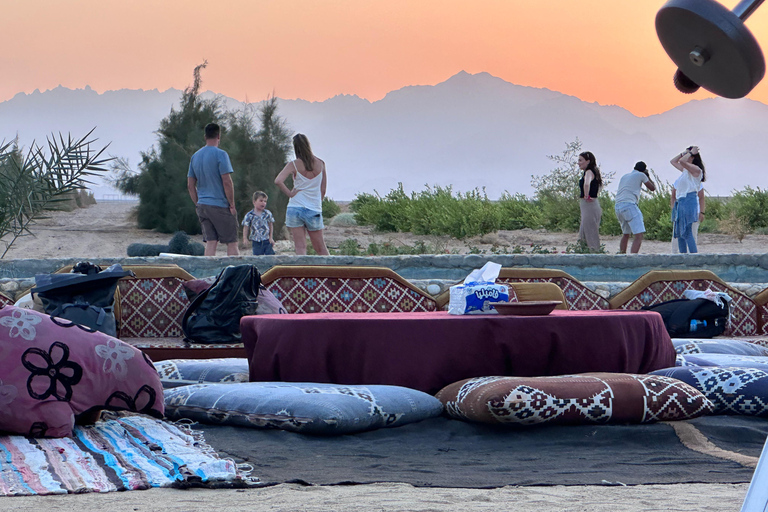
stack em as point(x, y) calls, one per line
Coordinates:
point(38, 429)
point(142, 402)
point(56, 374)
point(62, 322)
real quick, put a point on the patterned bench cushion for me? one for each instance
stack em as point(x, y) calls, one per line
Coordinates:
point(731, 390)
point(327, 409)
point(573, 399)
point(340, 294)
point(152, 307)
point(723, 360)
point(761, 300)
point(54, 371)
point(660, 286)
point(718, 346)
point(183, 372)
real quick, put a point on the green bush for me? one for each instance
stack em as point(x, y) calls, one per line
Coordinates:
point(519, 212)
point(609, 223)
point(750, 206)
point(330, 208)
point(348, 247)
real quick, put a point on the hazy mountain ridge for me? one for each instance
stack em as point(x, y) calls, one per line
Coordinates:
point(468, 131)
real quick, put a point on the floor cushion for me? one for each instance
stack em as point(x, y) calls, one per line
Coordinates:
point(718, 346)
point(307, 408)
point(573, 399)
point(723, 360)
point(731, 390)
point(54, 371)
point(183, 372)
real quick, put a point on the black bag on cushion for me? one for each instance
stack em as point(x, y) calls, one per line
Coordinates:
point(86, 296)
point(214, 316)
point(709, 318)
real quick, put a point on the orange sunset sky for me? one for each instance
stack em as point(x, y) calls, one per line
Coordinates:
point(598, 50)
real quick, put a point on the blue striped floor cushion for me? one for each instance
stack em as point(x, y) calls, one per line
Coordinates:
point(731, 390)
point(183, 372)
point(308, 408)
point(723, 360)
point(718, 346)
point(573, 399)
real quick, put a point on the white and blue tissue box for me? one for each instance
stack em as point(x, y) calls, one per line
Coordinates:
point(478, 292)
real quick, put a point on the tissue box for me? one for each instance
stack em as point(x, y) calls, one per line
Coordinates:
point(476, 298)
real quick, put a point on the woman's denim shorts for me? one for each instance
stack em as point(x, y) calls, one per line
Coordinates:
point(296, 217)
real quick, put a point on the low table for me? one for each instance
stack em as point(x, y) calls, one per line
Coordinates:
point(427, 351)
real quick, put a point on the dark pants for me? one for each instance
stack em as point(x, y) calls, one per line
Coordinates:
point(263, 248)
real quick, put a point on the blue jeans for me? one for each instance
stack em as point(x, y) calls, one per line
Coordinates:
point(262, 248)
point(297, 216)
point(684, 214)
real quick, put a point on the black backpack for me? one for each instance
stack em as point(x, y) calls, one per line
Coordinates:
point(214, 315)
point(708, 318)
point(85, 296)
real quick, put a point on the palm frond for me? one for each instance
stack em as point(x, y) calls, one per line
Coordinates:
point(32, 183)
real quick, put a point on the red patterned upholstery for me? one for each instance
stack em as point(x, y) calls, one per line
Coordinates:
point(761, 300)
point(662, 285)
point(5, 301)
point(153, 303)
point(332, 289)
point(577, 296)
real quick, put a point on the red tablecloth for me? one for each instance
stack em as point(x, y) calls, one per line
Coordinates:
point(428, 351)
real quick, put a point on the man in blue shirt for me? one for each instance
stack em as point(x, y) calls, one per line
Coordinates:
point(210, 186)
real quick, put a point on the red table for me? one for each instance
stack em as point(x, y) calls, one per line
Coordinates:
point(428, 351)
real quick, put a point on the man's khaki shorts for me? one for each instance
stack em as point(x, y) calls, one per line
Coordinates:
point(218, 223)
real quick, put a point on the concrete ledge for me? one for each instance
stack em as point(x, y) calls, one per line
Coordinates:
point(736, 268)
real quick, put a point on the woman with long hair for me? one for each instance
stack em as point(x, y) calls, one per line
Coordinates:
point(685, 207)
point(589, 186)
point(305, 204)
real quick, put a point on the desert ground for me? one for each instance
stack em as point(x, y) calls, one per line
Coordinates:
point(106, 229)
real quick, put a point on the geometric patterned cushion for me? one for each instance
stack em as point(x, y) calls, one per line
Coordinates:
point(183, 372)
point(348, 295)
point(731, 390)
point(307, 408)
point(723, 361)
point(4, 301)
point(718, 346)
point(152, 307)
point(573, 399)
point(744, 314)
point(577, 296)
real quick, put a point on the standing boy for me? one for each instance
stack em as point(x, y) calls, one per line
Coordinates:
point(629, 214)
point(259, 224)
point(209, 182)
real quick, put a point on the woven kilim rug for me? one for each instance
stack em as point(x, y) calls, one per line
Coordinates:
point(124, 453)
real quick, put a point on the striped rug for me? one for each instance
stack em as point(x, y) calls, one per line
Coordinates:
point(119, 454)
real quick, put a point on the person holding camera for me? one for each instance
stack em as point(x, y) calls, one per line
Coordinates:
point(685, 207)
point(627, 209)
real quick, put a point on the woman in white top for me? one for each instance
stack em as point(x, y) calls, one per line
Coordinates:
point(685, 210)
point(305, 206)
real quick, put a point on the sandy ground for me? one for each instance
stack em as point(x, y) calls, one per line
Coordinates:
point(401, 497)
point(106, 230)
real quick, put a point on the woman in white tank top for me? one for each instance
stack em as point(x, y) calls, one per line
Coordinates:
point(305, 204)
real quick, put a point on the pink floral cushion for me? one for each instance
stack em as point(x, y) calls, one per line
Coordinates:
point(572, 399)
point(53, 371)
